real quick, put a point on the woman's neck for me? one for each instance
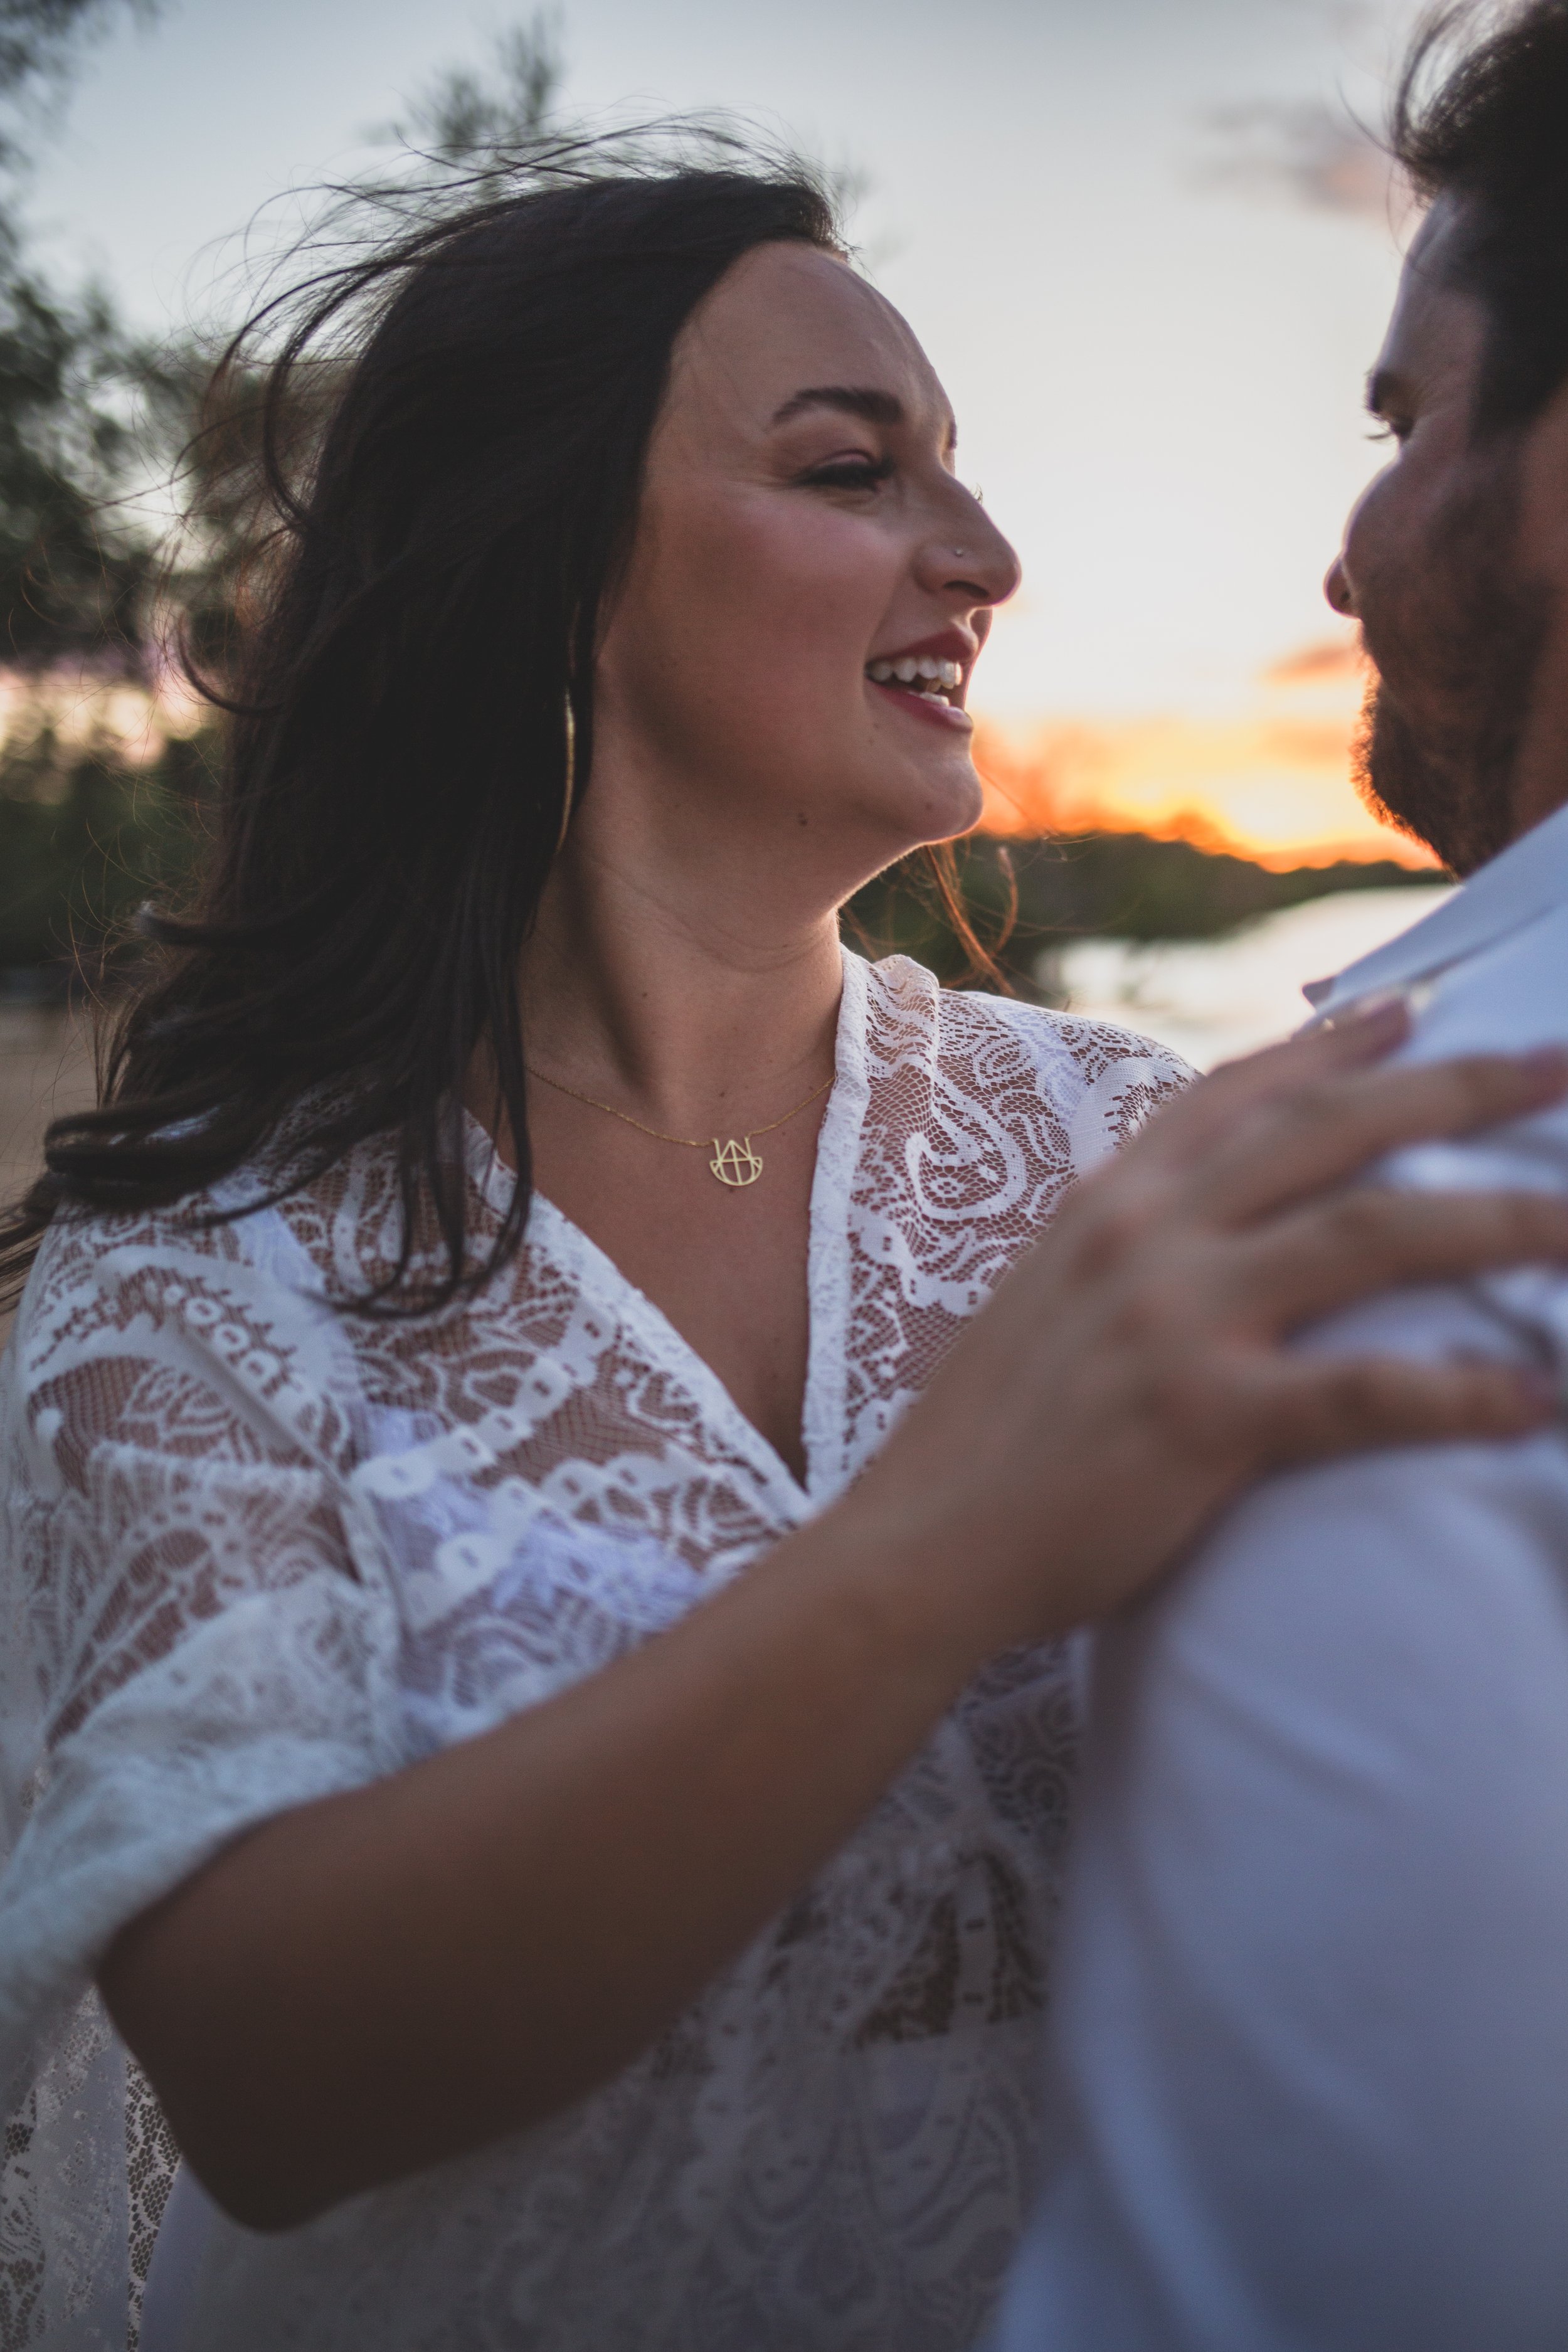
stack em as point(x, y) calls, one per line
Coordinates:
point(671, 997)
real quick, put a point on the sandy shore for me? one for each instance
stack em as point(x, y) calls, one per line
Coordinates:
point(46, 1068)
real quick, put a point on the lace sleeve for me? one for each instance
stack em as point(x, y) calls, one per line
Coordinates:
point(188, 1641)
point(1109, 1080)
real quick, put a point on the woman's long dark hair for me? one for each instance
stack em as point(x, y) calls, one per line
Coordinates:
point(395, 773)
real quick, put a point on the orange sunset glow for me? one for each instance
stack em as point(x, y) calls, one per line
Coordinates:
point(1271, 781)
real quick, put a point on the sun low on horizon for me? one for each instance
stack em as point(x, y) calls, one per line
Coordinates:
point(1271, 781)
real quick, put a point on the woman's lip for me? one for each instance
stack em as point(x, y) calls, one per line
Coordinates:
point(928, 707)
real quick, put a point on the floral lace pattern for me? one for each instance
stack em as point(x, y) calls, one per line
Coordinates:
point(256, 1552)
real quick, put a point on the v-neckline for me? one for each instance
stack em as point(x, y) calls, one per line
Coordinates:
point(826, 1278)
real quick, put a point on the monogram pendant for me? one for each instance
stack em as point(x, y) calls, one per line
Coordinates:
point(735, 1163)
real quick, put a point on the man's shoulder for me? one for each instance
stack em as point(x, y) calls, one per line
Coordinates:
point(1509, 995)
point(1509, 998)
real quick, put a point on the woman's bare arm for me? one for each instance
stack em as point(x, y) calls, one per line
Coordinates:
point(377, 1980)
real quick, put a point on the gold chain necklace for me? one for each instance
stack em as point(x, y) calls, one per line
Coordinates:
point(733, 1162)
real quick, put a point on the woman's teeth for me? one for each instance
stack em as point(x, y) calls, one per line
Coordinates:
point(926, 675)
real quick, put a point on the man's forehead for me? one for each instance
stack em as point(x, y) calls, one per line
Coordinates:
point(1436, 327)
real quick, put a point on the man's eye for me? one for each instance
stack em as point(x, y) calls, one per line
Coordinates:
point(851, 473)
point(1390, 429)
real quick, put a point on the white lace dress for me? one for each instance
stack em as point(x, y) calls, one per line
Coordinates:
point(256, 1552)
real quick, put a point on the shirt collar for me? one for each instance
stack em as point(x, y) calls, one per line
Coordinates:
point(1524, 881)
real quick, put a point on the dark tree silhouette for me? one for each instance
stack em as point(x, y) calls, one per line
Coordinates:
point(471, 119)
point(69, 574)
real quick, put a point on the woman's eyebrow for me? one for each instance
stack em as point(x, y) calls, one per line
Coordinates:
point(875, 407)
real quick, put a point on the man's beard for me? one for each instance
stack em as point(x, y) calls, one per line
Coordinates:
point(1478, 631)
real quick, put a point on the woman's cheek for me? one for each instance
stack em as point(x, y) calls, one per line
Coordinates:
point(780, 609)
point(850, 561)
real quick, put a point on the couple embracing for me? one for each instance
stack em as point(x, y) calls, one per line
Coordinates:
point(575, 1456)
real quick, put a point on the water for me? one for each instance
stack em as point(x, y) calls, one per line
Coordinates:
point(1207, 999)
point(1210, 999)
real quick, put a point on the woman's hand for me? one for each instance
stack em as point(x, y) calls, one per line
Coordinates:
point(378, 1980)
point(1131, 1374)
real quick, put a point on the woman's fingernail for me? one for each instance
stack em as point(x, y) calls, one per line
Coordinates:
point(1385, 1014)
point(1383, 1004)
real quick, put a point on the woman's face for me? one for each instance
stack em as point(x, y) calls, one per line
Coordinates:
point(802, 541)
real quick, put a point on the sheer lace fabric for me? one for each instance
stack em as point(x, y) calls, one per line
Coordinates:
point(256, 1552)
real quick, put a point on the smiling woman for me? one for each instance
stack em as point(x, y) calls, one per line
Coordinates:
point(534, 1684)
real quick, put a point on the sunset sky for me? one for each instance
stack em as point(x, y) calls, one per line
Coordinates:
point(1147, 254)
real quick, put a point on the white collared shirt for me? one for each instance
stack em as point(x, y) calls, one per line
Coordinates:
point(1308, 2057)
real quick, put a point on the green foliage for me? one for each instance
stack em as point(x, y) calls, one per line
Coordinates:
point(1125, 886)
point(89, 415)
point(84, 835)
point(90, 842)
point(73, 566)
point(38, 39)
point(473, 119)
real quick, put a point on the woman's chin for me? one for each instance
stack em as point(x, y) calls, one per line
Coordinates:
point(887, 810)
point(941, 801)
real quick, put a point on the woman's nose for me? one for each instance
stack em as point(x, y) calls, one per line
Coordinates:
point(969, 553)
point(1337, 588)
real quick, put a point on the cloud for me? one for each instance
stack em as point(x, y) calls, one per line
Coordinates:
point(1300, 152)
point(1323, 663)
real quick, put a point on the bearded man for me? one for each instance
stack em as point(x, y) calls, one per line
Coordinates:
point(1308, 2066)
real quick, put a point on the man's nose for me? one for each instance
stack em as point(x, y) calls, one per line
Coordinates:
point(1337, 588)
